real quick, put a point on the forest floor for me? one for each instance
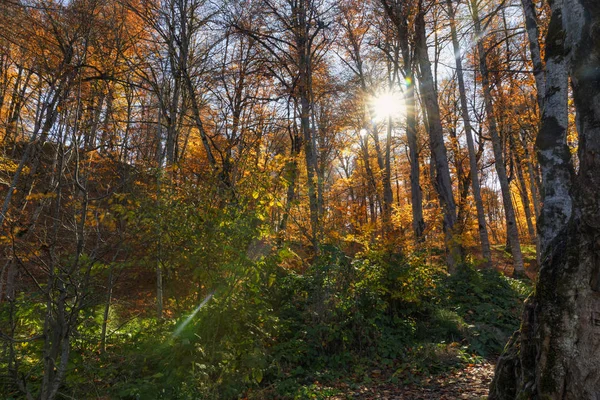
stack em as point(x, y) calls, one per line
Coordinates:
point(471, 383)
point(503, 261)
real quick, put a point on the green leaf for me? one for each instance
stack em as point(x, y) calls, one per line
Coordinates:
point(258, 375)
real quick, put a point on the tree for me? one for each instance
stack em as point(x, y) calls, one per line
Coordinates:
point(399, 14)
point(292, 33)
point(533, 34)
point(555, 353)
point(443, 181)
point(512, 232)
point(475, 184)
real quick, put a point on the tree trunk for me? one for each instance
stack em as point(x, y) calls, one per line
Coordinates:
point(159, 290)
point(388, 194)
point(533, 33)
point(291, 174)
point(398, 13)
point(512, 232)
point(524, 194)
point(373, 193)
point(304, 82)
point(554, 156)
point(109, 293)
point(533, 187)
point(475, 184)
point(556, 354)
point(416, 194)
point(436, 138)
point(383, 162)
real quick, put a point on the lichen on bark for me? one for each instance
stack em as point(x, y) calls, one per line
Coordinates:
point(556, 353)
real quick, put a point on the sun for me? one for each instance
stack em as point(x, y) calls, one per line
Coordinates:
point(387, 104)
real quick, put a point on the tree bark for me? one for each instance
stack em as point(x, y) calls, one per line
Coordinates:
point(533, 33)
point(388, 194)
point(524, 193)
point(291, 171)
point(554, 156)
point(373, 193)
point(533, 187)
point(416, 193)
point(556, 354)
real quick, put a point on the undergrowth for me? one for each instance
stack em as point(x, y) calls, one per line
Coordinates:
point(272, 332)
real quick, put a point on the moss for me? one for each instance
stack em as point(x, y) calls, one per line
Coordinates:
point(516, 372)
point(548, 383)
point(553, 291)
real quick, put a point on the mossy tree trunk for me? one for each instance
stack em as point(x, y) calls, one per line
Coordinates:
point(556, 354)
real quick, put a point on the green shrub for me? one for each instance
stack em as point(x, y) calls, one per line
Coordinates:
point(489, 302)
point(269, 332)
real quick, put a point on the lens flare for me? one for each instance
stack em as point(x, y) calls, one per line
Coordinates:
point(192, 315)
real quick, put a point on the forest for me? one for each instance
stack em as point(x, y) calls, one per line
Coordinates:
point(300, 199)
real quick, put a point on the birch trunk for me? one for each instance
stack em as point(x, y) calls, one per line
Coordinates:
point(556, 354)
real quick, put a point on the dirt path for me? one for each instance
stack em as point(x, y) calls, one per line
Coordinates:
point(471, 383)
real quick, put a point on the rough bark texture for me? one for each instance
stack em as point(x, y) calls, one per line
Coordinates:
point(556, 354)
point(303, 48)
point(553, 153)
point(533, 33)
